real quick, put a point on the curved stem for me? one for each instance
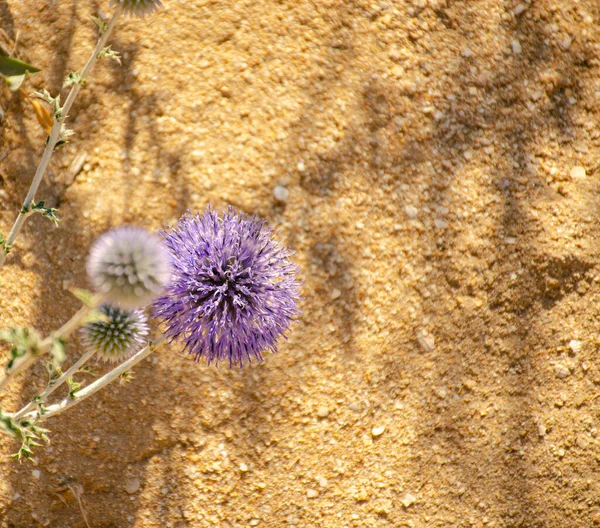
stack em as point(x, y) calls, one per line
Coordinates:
point(28, 359)
point(52, 386)
point(94, 387)
point(54, 137)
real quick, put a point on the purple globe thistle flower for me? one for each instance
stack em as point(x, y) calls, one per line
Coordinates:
point(129, 265)
point(233, 290)
point(121, 335)
point(138, 8)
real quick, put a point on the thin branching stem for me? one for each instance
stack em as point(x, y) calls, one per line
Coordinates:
point(54, 137)
point(92, 388)
point(53, 385)
point(64, 331)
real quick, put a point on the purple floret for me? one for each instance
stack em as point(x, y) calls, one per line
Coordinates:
point(233, 290)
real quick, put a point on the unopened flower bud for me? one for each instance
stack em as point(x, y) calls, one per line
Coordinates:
point(121, 335)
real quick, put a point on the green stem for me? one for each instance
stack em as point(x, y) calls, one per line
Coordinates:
point(94, 387)
point(54, 136)
point(28, 359)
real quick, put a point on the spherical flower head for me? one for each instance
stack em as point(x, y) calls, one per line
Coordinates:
point(130, 266)
point(139, 8)
point(121, 335)
point(233, 291)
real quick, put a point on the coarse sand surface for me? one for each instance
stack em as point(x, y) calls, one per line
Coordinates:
point(433, 164)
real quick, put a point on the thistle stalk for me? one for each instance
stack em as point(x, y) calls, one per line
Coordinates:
point(64, 331)
point(54, 137)
point(92, 388)
point(53, 385)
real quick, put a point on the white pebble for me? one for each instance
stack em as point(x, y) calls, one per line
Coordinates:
point(561, 371)
point(378, 430)
point(426, 341)
point(411, 211)
point(575, 346)
point(408, 500)
point(132, 486)
point(578, 172)
point(281, 194)
point(323, 482)
point(519, 9)
point(301, 167)
point(323, 412)
point(516, 47)
point(335, 293)
point(311, 493)
point(36, 474)
point(243, 467)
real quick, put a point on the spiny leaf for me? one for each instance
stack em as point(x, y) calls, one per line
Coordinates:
point(58, 352)
point(108, 53)
point(48, 212)
point(100, 23)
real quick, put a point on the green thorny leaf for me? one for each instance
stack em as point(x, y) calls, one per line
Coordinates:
point(74, 386)
point(126, 377)
point(28, 433)
point(48, 212)
point(108, 53)
point(4, 244)
point(52, 101)
point(24, 341)
point(73, 78)
point(103, 26)
point(57, 351)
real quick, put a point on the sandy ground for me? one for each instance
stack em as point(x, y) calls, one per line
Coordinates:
point(441, 163)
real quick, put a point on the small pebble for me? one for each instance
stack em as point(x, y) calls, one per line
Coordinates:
point(301, 167)
point(243, 467)
point(378, 430)
point(254, 522)
point(561, 371)
point(335, 293)
point(516, 47)
point(408, 500)
point(542, 430)
point(384, 507)
point(36, 474)
point(469, 384)
point(132, 486)
point(426, 341)
point(281, 194)
point(441, 393)
point(411, 211)
point(440, 224)
point(578, 172)
point(322, 482)
point(565, 43)
point(311, 493)
point(575, 346)
point(323, 412)
point(519, 9)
